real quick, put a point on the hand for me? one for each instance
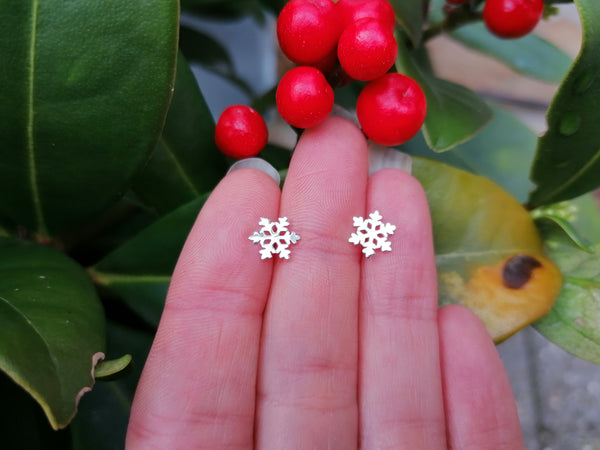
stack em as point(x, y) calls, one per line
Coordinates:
point(327, 349)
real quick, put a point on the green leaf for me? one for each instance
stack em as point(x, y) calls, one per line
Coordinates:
point(578, 219)
point(51, 326)
point(545, 219)
point(454, 113)
point(567, 162)
point(573, 322)
point(200, 48)
point(502, 157)
point(140, 270)
point(186, 161)
point(101, 423)
point(484, 239)
point(411, 14)
point(530, 55)
point(109, 369)
point(83, 95)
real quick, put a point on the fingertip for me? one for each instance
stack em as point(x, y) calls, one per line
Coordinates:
point(336, 132)
point(401, 182)
point(480, 408)
point(457, 320)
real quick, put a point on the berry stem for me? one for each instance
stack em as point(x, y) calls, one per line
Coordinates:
point(455, 18)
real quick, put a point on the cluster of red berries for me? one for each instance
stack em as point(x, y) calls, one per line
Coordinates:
point(510, 19)
point(355, 37)
point(326, 38)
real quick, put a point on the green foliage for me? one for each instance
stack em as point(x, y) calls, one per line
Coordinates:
point(107, 155)
point(572, 322)
point(86, 84)
point(560, 173)
point(51, 326)
point(454, 113)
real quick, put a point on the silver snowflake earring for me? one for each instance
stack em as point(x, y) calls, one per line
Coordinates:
point(372, 234)
point(274, 238)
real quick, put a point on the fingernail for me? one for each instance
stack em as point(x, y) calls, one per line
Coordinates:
point(381, 157)
point(258, 164)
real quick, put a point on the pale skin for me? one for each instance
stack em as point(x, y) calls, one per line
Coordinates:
point(326, 350)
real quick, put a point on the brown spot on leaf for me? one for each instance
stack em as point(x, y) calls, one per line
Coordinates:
point(517, 271)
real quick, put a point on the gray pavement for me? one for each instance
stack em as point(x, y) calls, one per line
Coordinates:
point(558, 395)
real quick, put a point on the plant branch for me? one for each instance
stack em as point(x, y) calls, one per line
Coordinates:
point(455, 18)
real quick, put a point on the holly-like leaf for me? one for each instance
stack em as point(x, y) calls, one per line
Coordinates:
point(113, 368)
point(411, 14)
point(502, 157)
point(83, 95)
point(101, 423)
point(140, 270)
point(572, 324)
point(567, 162)
point(186, 161)
point(201, 48)
point(454, 113)
point(51, 326)
point(489, 254)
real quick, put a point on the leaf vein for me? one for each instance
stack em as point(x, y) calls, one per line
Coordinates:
point(184, 176)
point(33, 177)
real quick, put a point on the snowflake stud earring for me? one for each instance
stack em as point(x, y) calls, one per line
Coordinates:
point(274, 238)
point(372, 234)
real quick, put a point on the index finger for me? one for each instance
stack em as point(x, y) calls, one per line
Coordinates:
point(198, 384)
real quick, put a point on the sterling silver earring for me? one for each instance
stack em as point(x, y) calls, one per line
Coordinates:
point(372, 234)
point(274, 238)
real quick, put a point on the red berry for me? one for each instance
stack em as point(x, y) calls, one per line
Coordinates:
point(391, 109)
point(308, 30)
point(512, 18)
point(241, 132)
point(303, 97)
point(353, 10)
point(367, 49)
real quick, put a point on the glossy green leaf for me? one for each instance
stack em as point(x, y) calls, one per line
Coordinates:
point(454, 113)
point(411, 14)
point(530, 55)
point(504, 158)
point(546, 220)
point(140, 270)
point(84, 90)
point(186, 161)
point(480, 233)
point(112, 368)
point(51, 326)
point(118, 224)
point(567, 162)
point(573, 322)
point(200, 48)
point(552, 219)
point(101, 423)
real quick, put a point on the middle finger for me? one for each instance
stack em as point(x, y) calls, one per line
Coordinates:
point(308, 368)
